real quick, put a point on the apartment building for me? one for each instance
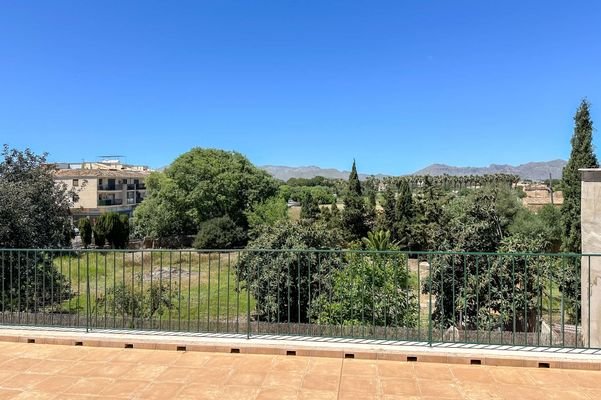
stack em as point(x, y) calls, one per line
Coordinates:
point(103, 186)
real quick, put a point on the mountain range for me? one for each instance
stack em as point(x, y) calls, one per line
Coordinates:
point(531, 170)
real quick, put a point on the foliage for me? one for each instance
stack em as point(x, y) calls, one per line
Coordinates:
point(544, 224)
point(85, 231)
point(581, 156)
point(219, 233)
point(114, 228)
point(353, 223)
point(269, 212)
point(34, 213)
point(310, 208)
point(379, 240)
point(199, 185)
point(399, 213)
point(156, 299)
point(35, 210)
point(371, 289)
point(322, 194)
point(282, 281)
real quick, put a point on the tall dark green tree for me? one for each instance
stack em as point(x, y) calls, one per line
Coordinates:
point(403, 215)
point(581, 156)
point(309, 207)
point(354, 224)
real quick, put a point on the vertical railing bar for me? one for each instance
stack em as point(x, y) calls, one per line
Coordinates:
point(454, 300)
point(96, 292)
point(248, 301)
point(227, 301)
point(477, 301)
point(588, 299)
point(189, 288)
point(238, 297)
point(179, 294)
point(209, 294)
point(198, 292)
point(218, 292)
point(430, 301)
point(161, 270)
point(105, 289)
point(563, 277)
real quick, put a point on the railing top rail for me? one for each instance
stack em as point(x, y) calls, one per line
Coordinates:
point(337, 251)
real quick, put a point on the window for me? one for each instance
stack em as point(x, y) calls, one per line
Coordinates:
point(75, 182)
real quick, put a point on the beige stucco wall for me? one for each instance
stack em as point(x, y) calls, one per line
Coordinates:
point(591, 266)
point(87, 191)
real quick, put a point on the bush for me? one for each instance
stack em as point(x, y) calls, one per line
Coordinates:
point(282, 281)
point(219, 233)
point(85, 231)
point(372, 289)
point(113, 228)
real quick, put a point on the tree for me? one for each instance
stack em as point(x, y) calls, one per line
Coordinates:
point(281, 281)
point(269, 212)
point(354, 223)
point(113, 228)
point(199, 185)
point(581, 156)
point(85, 231)
point(371, 289)
point(34, 214)
point(403, 216)
point(219, 233)
point(310, 208)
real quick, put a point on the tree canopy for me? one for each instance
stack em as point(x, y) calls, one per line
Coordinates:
point(199, 185)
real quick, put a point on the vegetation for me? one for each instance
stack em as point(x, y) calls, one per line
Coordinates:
point(113, 229)
point(34, 215)
point(85, 231)
point(354, 215)
point(219, 233)
point(581, 156)
point(281, 281)
point(200, 185)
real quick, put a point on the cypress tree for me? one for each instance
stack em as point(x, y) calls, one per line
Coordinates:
point(582, 156)
point(354, 223)
point(310, 208)
point(389, 208)
point(403, 215)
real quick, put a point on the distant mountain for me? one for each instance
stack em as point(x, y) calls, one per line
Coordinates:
point(532, 170)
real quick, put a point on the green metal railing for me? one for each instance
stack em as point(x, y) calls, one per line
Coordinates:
point(518, 299)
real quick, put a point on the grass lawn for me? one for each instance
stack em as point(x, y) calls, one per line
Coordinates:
point(202, 287)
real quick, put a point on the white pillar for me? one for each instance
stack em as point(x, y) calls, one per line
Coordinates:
point(591, 266)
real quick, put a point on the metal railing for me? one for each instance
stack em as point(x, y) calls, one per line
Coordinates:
point(485, 298)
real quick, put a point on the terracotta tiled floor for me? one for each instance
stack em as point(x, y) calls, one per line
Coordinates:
point(36, 371)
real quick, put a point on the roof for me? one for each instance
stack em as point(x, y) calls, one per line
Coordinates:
point(99, 173)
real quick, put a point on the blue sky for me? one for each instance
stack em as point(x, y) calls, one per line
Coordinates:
point(397, 85)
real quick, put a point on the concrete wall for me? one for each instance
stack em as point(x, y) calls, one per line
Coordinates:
point(591, 266)
point(87, 191)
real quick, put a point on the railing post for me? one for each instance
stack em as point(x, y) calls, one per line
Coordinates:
point(87, 292)
point(247, 305)
point(430, 301)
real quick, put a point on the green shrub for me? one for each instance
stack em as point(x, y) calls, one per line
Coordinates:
point(85, 231)
point(219, 233)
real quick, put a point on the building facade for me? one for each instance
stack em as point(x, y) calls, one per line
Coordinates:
point(99, 188)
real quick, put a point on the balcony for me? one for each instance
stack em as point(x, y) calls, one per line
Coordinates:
point(134, 186)
point(109, 202)
point(109, 187)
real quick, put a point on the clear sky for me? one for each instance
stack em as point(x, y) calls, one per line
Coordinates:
point(397, 85)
